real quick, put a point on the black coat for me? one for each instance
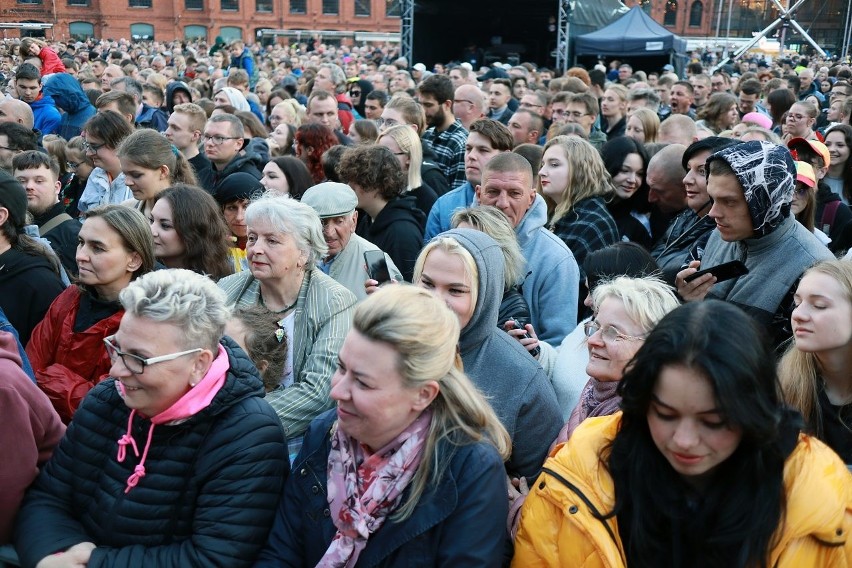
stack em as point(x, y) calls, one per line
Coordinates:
point(461, 523)
point(28, 285)
point(208, 498)
point(398, 230)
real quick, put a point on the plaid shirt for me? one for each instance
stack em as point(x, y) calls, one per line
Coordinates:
point(586, 228)
point(449, 151)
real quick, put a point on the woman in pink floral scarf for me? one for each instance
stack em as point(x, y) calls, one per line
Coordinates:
point(408, 469)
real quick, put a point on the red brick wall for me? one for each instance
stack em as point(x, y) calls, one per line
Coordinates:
point(682, 27)
point(112, 18)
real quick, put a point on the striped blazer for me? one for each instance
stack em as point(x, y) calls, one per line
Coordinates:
point(323, 316)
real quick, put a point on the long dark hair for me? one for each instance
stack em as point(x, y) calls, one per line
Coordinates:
point(614, 152)
point(661, 520)
point(199, 223)
point(847, 168)
point(298, 177)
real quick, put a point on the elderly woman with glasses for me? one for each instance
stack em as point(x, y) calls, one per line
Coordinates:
point(284, 244)
point(174, 461)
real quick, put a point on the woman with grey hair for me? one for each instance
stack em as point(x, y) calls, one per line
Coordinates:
point(284, 243)
point(175, 460)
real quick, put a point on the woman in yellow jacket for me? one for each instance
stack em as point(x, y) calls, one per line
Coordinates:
point(703, 467)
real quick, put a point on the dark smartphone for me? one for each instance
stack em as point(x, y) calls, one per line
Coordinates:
point(377, 266)
point(722, 272)
point(517, 325)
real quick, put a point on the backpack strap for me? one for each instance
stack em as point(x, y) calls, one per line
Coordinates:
point(53, 223)
point(828, 214)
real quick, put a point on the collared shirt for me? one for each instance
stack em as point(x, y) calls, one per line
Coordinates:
point(449, 151)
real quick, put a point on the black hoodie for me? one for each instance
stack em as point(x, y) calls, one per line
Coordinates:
point(842, 218)
point(398, 230)
point(28, 285)
point(170, 94)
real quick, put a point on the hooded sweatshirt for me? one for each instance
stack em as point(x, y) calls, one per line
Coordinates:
point(514, 383)
point(780, 249)
point(70, 97)
point(47, 118)
point(398, 230)
point(552, 285)
point(28, 285)
point(171, 89)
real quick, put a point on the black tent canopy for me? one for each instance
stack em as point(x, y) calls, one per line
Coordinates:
point(633, 36)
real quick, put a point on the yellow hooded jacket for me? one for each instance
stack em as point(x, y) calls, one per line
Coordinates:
point(557, 527)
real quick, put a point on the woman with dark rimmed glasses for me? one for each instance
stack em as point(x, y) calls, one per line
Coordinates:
point(175, 460)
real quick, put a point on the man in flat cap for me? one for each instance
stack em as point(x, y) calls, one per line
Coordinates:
point(335, 203)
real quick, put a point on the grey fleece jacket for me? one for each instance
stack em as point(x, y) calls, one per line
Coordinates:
point(514, 383)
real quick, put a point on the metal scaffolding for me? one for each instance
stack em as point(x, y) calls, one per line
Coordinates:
point(564, 26)
point(407, 30)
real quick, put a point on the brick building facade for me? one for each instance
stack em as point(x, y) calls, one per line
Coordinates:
point(169, 19)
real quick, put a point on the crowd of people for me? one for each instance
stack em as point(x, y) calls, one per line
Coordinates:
point(313, 305)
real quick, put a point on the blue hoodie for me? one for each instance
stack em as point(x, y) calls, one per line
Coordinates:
point(553, 284)
point(70, 97)
point(47, 118)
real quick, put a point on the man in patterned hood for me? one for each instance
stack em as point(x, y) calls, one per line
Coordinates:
point(751, 185)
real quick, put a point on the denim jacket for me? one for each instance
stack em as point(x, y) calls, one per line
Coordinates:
point(25, 362)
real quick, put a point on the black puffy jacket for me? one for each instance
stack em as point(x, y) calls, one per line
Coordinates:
point(208, 498)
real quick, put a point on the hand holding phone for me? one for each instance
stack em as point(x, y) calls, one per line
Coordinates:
point(377, 266)
point(722, 272)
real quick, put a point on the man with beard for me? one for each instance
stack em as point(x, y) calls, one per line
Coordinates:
point(445, 134)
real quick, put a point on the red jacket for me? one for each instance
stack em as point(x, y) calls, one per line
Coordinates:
point(344, 112)
point(50, 62)
point(29, 430)
point(67, 364)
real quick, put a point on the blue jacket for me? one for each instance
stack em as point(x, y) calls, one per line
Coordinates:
point(442, 211)
point(244, 61)
point(553, 284)
point(47, 118)
point(150, 117)
point(70, 97)
point(461, 523)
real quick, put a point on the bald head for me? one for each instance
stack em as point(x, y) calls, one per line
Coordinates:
point(111, 73)
point(468, 104)
point(13, 110)
point(678, 129)
point(665, 179)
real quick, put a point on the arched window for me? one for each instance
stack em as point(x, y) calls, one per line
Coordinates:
point(142, 32)
point(646, 6)
point(195, 32)
point(81, 31)
point(696, 13)
point(670, 18)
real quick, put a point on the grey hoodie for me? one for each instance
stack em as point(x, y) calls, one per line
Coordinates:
point(514, 383)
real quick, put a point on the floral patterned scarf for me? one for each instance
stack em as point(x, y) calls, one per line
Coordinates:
point(362, 492)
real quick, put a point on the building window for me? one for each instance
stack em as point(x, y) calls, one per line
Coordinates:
point(29, 1)
point(140, 3)
point(78, 2)
point(263, 6)
point(193, 4)
point(393, 8)
point(298, 6)
point(142, 31)
point(195, 32)
point(330, 7)
point(362, 8)
point(646, 6)
point(696, 13)
point(230, 5)
point(81, 31)
point(230, 33)
point(670, 18)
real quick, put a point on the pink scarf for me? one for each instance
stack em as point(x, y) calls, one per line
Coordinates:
point(597, 399)
point(196, 399)
point(363, 492)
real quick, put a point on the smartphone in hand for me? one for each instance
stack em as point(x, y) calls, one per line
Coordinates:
point(377, 266)
point(722, 272)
